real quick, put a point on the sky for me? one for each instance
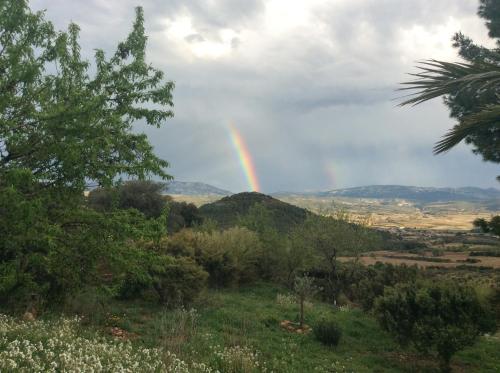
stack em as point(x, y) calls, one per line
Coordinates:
point(308, 86)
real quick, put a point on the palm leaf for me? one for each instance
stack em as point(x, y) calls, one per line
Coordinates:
point(487, 118)
point(438, 78)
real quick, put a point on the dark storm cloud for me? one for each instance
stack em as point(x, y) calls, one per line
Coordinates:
point(314, 100)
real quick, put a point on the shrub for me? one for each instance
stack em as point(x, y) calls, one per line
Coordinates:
point(330, 238)
point(371, 283)
point(182, 215)
point(274, 254)
point(327, 331)
point(43, 261)
point(230, 257)
point(90, 303)
point(175, 280)
point(179, 282)
point(492, 226)
point(141, 195)
point(443, 317)
point(183, 243)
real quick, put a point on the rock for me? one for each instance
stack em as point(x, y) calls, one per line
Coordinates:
point(28, 316)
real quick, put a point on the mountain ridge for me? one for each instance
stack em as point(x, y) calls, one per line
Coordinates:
point(387, 192)
point(412, 193)
point(194, 188)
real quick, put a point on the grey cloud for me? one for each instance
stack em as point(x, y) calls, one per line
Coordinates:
point(235, 43)
point(194, 38)
point(304, 104)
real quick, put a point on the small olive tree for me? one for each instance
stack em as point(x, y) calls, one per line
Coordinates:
point(304, 289)
point(328, 238)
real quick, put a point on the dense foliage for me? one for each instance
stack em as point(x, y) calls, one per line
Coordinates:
point(230, 257)
point(65, 123)
point(443, 318)
point(365, 284)
point(491, 226)
point(327, 331)
point(146, 196)
point(227, 210)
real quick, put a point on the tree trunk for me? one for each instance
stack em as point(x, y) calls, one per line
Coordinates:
point(301, 311)
point(444, 364)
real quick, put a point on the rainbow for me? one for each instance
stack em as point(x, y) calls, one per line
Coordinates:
point(331, 174)
point(245, 159)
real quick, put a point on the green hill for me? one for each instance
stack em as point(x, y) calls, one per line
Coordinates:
point(227, 210)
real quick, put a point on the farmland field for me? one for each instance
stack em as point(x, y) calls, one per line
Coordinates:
point(385, 213)
point(445, 260)
point(401, 213)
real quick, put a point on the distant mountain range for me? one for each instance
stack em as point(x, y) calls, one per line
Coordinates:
point(388, 192)
point(194, 189)
point(411, 193)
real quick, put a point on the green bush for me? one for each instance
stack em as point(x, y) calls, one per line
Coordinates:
point(142, 195)
point(176, 281)
point(230, 257)
point(183, 243)
point(442, 318)
point(327, 331)
point(43, 261)
point(182, 215)
point(273, 257)
point(90, 303)
point(179, 282)
point(492, 226)
point(372, 281)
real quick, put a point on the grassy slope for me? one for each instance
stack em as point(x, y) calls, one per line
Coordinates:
point(250, 317)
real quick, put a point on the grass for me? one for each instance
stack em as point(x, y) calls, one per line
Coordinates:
point(239, 331)
point(249, 318)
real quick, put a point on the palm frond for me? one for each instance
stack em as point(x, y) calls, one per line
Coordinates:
point(438, 78)
point(487, 118)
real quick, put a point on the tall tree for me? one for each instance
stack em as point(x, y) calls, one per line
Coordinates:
point(470, 89)
point(64, 124)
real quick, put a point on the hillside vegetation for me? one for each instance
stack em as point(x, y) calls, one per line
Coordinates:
point(227, 210)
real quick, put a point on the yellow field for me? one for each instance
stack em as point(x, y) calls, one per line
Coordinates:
point(449, 259)
point(383, 214)
point(196, 200)
point(441, 221)
point(398, 213)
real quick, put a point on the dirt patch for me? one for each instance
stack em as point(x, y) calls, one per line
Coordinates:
point(295, 327)
point(121, 333)
point(447, 260)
